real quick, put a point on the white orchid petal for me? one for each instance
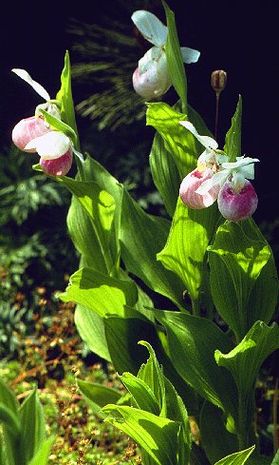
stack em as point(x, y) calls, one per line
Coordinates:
point(150, 27)
point(189, 55)
point(205, 187)
point(51, 145)
point(36, 86)
point(241, 162)
point(206, 141)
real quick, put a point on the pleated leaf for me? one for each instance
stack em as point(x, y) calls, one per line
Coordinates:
point(164, 173)
point(42, 456)
point(98, 395)
point(243, 276)
point(192, 343)
point(185, 250)
point(233, 137)
point(245, 360)
point(237, 458)
point(142, 237)
point(156, 435)
point(174, 58)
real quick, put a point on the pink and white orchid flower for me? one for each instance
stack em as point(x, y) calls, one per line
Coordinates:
point(151, 78)
point(34, 134)
point(221, 180)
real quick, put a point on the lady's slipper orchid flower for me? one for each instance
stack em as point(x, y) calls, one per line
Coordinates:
point(28, 129)
point(56, 152)
point(220, 179)
point(151, 78)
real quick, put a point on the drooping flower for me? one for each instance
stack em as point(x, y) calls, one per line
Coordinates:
point(221, 180)
point(27, 129)
point(151, 78)
point(34, 134)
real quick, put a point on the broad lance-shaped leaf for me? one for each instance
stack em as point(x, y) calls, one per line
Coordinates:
point(142, 236)
point(100, 293)
point(237, 458)
point(233, 137)
point(100, 207)
point(33, 429)
point(174, 58)
point(164, 173)
point(141, 393)
point(216, 440)
point(242, 267)
point(184, 252)
point(98, 395)
point(123, 335)
point(192, 343)
point(81, 225)
point(42, 456)
point(156, 435)
point(180, 143)
point(64, 96)
point(91, 328)
point(245, 360)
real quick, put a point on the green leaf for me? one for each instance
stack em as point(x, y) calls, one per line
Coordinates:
point(174, 58)
point(139, 249)
point(237, 458)
point(164, 172)
point(100, 293)
point(233, 137)
point(59, 125)
point(184, 255)
point(10, 420)
point(195, 339)
point(100, 207)
point(122, 336)
point(242, 265)
point(275, 460)
point(141, 392)
point(156, 435)
point(98, 395)
point(32, 426)
point(64, 95)
point(215, 438)
point(41, 457)
point(91, 329)
point(179, 142)
point(8, 398)
point(151, 373)
point(245, 360)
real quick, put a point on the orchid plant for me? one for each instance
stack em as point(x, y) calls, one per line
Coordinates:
point(196, 290)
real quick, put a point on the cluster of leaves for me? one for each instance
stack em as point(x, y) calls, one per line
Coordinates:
point(52, 359)
point(211, 345)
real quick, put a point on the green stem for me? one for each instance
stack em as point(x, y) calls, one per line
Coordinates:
point(195, 307)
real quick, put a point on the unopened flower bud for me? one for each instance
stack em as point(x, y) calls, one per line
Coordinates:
point(218, 80)
point(151, 78)
point(236, 205)
point(28, 129)
point(58, 166)
point(189, 186)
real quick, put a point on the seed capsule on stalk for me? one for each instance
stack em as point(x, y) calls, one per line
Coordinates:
point(28, 129)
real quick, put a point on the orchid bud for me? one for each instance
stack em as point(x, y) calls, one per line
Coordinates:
point(58, 166)
point(28, 129)
point(151, 78)
point(235, 204)
point(189, 186)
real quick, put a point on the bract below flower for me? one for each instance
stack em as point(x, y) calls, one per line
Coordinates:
point(59, 166)
point(236, 205)
point(50, 146)
point(28, 129)
point(190, 184)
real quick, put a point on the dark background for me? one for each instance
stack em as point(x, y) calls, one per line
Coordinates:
point(239, 37)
